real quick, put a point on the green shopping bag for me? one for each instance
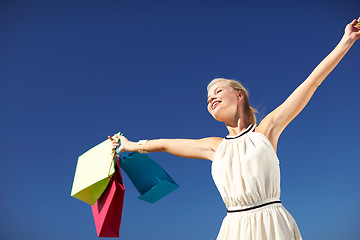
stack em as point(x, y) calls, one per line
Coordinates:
point(93, 171)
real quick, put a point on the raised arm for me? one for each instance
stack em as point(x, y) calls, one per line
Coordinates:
point(188, 148)
point(274, 123)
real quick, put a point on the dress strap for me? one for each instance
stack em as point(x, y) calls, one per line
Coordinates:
point(250, 128)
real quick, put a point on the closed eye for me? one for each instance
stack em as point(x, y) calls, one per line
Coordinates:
point(216, 91)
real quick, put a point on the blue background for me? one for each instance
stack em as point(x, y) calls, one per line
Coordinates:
point(74, 72)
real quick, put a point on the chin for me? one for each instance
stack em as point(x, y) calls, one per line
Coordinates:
point(222, 115)
point(217, 114)
point(218, 117)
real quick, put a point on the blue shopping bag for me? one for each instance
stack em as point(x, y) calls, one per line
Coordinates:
point(148, 177)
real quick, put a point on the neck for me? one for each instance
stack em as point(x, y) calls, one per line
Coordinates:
point(238, 124)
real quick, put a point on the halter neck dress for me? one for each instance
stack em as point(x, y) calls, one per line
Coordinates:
point(246, 172)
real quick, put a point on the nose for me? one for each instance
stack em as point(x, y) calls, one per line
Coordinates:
point(210, 103)
point(211, 99)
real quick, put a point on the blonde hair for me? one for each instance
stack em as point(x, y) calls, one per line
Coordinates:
point(250, 111)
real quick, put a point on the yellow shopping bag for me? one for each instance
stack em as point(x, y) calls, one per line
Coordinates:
point(93, 170)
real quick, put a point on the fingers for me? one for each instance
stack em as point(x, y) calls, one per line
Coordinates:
point(115, 142)
point(352, 29)
point(119, 142)
point(118, 136)
point(354, 22)
point(356, 25)
point(115, 145)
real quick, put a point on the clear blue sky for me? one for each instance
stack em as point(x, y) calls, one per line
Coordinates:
point(73, 72)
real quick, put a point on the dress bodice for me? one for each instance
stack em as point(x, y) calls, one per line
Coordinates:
point(246, 169)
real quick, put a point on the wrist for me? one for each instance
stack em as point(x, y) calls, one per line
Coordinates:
point(141, 143)
point(347, 41)
point(131, 147)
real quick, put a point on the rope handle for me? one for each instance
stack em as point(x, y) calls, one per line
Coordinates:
point(116, 157)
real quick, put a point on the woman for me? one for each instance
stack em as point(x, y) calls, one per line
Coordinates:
point(245, 167)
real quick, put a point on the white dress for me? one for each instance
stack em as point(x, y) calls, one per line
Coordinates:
point(246, 172)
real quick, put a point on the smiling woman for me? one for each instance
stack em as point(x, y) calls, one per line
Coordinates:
point(245, 166)
point(235, 85)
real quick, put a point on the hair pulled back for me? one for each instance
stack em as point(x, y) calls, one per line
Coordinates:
point(250, 111)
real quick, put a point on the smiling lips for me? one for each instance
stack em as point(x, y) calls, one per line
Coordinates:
point(215, 104)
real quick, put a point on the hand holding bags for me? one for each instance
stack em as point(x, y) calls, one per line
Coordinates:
point(98, 182)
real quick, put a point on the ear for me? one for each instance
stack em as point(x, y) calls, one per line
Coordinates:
point(240, 95)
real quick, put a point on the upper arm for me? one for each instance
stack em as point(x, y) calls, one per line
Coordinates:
point(192, 148)
point(292, 106)
point(276, 121)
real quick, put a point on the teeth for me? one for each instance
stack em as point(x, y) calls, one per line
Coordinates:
point(215, 104)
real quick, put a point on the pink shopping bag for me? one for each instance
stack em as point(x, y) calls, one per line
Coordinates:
point(107, 210)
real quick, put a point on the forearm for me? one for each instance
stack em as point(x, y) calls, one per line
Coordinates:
point(155, 145)
point(294, 104)
point(330, 62)
point(187, 148)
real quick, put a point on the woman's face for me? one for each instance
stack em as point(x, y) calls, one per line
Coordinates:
point(223, 101)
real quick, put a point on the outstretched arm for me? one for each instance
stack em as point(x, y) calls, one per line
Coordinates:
point(188, 148)
point(276, 121)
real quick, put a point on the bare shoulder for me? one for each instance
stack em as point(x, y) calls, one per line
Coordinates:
point(263, 127)
point(212, 142)
point(266, 127)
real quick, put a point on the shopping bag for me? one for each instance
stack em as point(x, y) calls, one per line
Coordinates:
point(107, 210)
point(148, 177)
point(92, 171)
